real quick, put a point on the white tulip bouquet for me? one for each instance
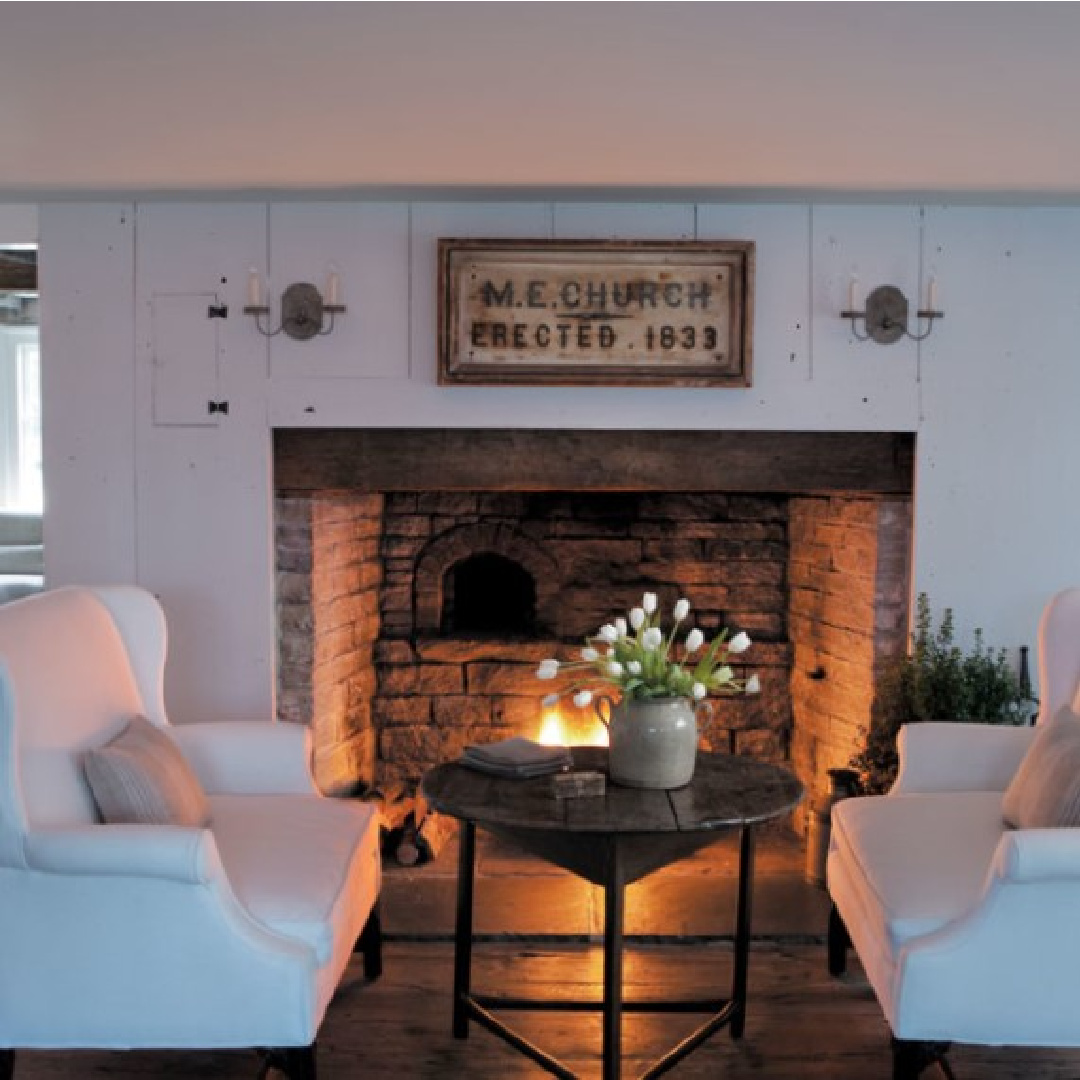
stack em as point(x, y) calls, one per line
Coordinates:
point(635, 657)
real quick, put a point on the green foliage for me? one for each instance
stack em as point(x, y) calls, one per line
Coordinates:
point(937, 681)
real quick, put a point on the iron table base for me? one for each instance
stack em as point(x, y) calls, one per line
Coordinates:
point(615, 867)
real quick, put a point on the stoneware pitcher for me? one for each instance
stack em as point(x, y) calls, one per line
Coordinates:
point(653, 743)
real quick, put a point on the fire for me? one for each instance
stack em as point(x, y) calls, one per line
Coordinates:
point(577, 727)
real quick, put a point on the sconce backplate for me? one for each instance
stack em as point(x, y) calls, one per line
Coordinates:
point(301, 311)
point(886, 314)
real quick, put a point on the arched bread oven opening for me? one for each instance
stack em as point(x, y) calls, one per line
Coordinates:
point(488, 595)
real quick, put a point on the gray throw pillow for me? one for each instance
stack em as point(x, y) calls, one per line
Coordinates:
point(1045, 792)
point(141, 777)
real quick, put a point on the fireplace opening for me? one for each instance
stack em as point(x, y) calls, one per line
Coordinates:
point(423, 576)
point(488, 595)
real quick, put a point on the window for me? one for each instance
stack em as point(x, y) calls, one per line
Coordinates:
point(20, 421)
point(20, 383)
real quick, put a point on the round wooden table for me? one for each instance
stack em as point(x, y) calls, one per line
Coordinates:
point(610, 840)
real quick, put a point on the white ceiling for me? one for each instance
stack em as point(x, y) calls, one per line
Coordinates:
point(767, 99)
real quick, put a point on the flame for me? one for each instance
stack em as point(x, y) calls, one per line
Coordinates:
point(579, 728)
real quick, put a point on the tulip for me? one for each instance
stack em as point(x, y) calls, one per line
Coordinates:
point(694, 640)
point(753, 685)
point(582, 698)
point(682, 609)
point(649, 603)
point(633, 666)
point(548, 669)
point(637, 618)
point(550, 700)
point(608, 633)
point(699, 691)
point(620, 625)
point(652, 638)
point(739, 643)
point(614, 669)
point(723, 675)
point(589, 654)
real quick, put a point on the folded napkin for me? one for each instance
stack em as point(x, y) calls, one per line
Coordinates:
point(516, 757)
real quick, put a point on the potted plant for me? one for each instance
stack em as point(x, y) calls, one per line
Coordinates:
point(647, 686)
point(937, 680)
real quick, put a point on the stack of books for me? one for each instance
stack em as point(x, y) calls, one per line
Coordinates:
point(517, 758)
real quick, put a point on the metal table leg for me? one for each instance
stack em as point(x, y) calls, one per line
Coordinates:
point(463, 928)
point(742, 932)
point(614, 906)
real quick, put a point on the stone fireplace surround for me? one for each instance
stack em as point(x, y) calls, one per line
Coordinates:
point(803, 539)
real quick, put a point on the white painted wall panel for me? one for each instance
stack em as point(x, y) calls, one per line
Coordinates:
point(184, 377)
point(87, 279)
point(204, 509)
point(999, 443)
point(784, 230)
point(369, 246)
point(617, 221)
point(787, 392)
point(781, 391)
point(860, 384)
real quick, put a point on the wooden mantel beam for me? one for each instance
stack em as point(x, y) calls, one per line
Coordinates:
point(439, 459)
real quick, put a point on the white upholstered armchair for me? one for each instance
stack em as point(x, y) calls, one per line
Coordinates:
point(966, 927)
point(146, 935)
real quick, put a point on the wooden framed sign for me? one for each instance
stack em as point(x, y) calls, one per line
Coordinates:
point(585, 313)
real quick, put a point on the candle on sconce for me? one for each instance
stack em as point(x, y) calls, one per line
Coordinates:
point(333, 288)
point(932, 297)
point(853, 295)
point(254, 288)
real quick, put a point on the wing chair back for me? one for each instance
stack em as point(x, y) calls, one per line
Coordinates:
point(1059, 652)
point(66, 683)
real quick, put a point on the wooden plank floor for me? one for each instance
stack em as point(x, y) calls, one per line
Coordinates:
point(802, 1024)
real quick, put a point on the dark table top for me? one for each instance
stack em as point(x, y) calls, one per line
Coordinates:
point(726, 791)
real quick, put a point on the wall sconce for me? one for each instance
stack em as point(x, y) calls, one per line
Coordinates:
point(303, 309)
point(885, 314)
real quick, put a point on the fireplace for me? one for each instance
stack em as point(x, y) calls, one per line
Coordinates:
point(423, 574)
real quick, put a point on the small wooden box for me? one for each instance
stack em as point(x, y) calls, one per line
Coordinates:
point(586, 784)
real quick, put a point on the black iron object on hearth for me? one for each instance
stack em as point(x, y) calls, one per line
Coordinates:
point(611, 842)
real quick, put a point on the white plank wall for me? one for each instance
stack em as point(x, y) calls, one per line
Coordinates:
point(369, 246)
point(989, 393)
point(204, 509)
point(999, 442)
point(88, 393)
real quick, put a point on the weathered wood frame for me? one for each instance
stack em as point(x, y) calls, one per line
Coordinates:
point(698, 367)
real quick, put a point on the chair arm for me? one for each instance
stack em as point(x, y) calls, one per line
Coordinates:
point(1018, 944)
point(1032, 855)
point(950, 756)
point(248, 757)
point(158, 851)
